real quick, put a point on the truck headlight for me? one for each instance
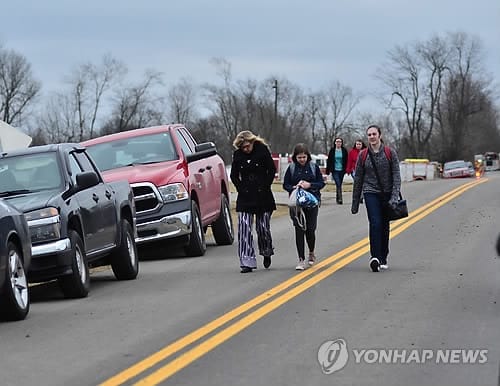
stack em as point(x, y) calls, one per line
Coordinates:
point(173, 192)
point(44, 225)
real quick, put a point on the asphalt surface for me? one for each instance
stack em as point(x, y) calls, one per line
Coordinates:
point(440, 293)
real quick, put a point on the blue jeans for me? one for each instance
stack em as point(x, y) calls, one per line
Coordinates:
point(338, 177)
point(379, 225)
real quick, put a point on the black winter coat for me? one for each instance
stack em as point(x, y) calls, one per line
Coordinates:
point(330, 162)
point(252, 175)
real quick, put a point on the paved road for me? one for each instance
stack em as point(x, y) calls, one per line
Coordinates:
point(207, 324)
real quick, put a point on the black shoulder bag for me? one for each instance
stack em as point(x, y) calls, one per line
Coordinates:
point(401, 209)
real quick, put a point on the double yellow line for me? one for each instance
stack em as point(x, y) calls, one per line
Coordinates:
point(321, 271)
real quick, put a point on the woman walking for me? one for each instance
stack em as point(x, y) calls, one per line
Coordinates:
point(352, 157)
point(303, 173)
point(336, 164)
point(378, 178)
point(252, 173)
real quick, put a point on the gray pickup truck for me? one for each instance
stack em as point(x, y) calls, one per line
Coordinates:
point(75, 219)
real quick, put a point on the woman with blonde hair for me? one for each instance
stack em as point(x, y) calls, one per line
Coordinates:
point(252, 173)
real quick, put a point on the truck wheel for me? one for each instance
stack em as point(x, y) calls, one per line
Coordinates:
point(15, 301)
point(222, 228)
point(197, 245)
point(124, 259)
point(76, 284)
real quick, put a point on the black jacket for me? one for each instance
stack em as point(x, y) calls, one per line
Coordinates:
point(330, 162)
point(304, 173)
point(252, 175)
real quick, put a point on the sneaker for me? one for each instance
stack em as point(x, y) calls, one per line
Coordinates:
point(246, 269)
point(267, 261)
point(312, 258)
point(374, 264)
point(301, 266)
point(384, 266)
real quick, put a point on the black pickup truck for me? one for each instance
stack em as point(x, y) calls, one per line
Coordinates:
point(75, 219)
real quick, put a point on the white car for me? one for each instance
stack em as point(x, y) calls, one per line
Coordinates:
point(458, 169)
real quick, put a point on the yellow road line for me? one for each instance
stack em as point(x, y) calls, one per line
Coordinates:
point(355, 250)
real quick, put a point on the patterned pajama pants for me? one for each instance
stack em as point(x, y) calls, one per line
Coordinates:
point(246, 249)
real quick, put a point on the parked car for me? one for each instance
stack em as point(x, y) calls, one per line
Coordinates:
point(180, 186)
point(15, 258)
point(75, 219)
point(457, 169)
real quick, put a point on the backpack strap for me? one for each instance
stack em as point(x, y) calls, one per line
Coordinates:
point(364, 154)
point(311, 166)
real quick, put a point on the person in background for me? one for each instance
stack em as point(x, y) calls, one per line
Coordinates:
point(336, 164)
point(307, 175)
point(252, 173)
point(352, 157)
point(376, 197)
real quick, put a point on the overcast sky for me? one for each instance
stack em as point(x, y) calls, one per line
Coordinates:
point(309, 42)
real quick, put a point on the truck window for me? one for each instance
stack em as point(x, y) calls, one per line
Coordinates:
point(74, 167)
point(189, 139)
point(184, 145)
point(85, 163)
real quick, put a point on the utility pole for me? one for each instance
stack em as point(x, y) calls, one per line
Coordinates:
point(275, 119)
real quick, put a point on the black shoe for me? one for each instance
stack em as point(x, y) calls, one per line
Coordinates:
point(246, 269)
point(267, 261)
point(374, 264)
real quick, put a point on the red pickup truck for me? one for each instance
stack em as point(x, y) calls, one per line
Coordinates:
point(180, 187)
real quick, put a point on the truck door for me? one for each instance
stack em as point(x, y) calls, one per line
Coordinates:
point(201, 175)
point(100, 206)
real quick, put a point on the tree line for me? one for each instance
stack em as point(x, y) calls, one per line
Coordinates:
point(438, 102)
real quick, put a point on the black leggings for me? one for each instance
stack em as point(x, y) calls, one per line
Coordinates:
point(311, 220)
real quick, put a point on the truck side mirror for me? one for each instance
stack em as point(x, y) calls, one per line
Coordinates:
point(86, 180)
point(202, 150)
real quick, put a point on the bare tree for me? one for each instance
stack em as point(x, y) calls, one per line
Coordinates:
point(181, 102)
point(438, 85)
point(18, 87)
point(223, 102)
point(72, 115)
point(336, 104)
point(466, 93)
point(58, 123)
point(292, 120)
point(249, 105)
point(87, 85)
point(403, 75)
point(136, 106)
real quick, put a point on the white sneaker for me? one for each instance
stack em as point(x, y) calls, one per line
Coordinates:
point(301, 266)
point(374, 264)
point(383, 266)
point(312, 258)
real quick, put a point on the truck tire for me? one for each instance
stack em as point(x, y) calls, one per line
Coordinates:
point(197, 244)
point(15, 300)
point(124, 258)
point(76, 284)
point(222, 228)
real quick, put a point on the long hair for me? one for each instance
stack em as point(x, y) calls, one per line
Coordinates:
point(247, 136)
point(362, 143)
